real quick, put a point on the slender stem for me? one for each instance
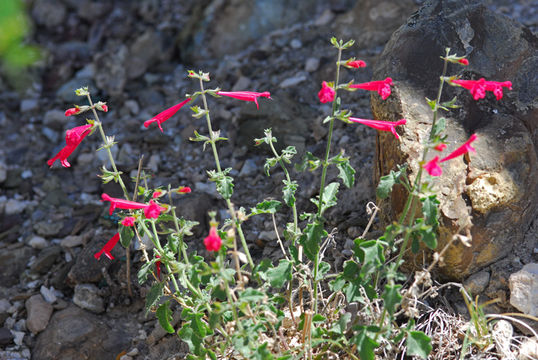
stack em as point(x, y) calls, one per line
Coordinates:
point(161, 250)
point(107, 147)
point(178, 232)
point(283, 166)
point(219, 169)
point(324, 174)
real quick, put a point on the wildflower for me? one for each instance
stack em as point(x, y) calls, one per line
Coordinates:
point(73, 137)
point(464, 62)
point(381, 125)
point(465, 148)
point(382, 87)
point(479, 87)
point(128, 221)
point(108, 247)
point(153, 210)
point(213, 242)
point(166, 114)
point(440, 147)
point(122, 204)
point(356, 64)
point(326, 94)
point(184, 190)
point(102, 107)
point(72, 111)
point(157, 194)
point(432, 166)
point(245, 95)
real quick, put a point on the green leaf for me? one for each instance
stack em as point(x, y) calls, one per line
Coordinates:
point(329, 197)
point(451, 104)
point(288, 153)
point(144, 272)
point(262, 353)
point(369, 252)
point(348, 44)
point(311, 239)
point(365, 345)
point(279, 275)
point(266, 207)
point(224, 183)
point(439, 126)
point(309, 162)
point(289, 192)
point(193, 340)
point(431, 103)
point(154, 295)
point(323, 268)
point(126, 236)
point(251, 295)
point(269, 163)
point(347, 173)
point(418, 344)
point(392, 297)
point(334, 42)
point(340, 327)
point(164, 315)
point(387, 182)
point(430, 209)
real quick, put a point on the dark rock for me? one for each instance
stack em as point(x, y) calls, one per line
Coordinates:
point(86, 268)
point(74, 333)
point(87, 297)
point(49, 13)
point(500, 181)
point(46, 259)
point(12, 263)
point(6, 337)
point(112, 74)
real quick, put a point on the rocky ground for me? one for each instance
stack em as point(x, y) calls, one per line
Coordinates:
point(56, 301)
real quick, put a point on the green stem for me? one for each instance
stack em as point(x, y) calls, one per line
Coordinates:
point(161, 250)
point(283, 166)
point(324, 174)
point(219, 169)
point(107, 147)
point(229, 294)
point(178, 232)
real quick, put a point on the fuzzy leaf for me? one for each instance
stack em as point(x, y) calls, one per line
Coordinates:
point(347, 173)
point(329, 197)
point(289, 192)
point(439, 126)
point(418, 344)
point(392, 297)
point(311, 239)
point(164, 315)
point(365, 345)
point(154, 295)
point(266, 207)
point(279, 275)
point(387, 182)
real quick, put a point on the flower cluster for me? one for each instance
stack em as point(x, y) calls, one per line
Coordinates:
point(432, 166)
point(478, 88)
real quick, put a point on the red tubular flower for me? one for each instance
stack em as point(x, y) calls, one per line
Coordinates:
point(479, 87)
point(156, 194)
point(108, 247)
point(104, 108)
point(440, 147)
point(71, 111)
point(153, 210)
point(184, 190)
point(245, 95)
point(356, 64)
point(326, 94)
point(122, 204)
point(382, 87)
point(213, 242)
point(166, 114)
point(464, 62)
point(381, 125)
point(128, 221)
point(432, 167)
point(73, 137)
point(465, 148)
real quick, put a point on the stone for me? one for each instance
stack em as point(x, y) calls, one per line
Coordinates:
point(74, 333)
point(46, 259)
point(39, 312)
point(249, 168)
point(29, 105)
point(86, 269)
point(6, 337)
point(293, 81)
point(66, 92)
point(143, 52)
point(73, 241)
point(524, 289)
point(311, 65)
point(18, 337)
point(491, 190)
point(477, 283)
point(112, 74)
point(13, 206)
point(12, 264)
point(87, 297)
point(55, 119)
point(48, 228)
point(3, 171)
point(49, 13)
point(38, 242)
point(49, 295)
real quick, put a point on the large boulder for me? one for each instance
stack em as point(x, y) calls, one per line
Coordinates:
point(496, 189)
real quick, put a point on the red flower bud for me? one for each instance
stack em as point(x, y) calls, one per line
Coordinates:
point(213, 242)
point(326, 94)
